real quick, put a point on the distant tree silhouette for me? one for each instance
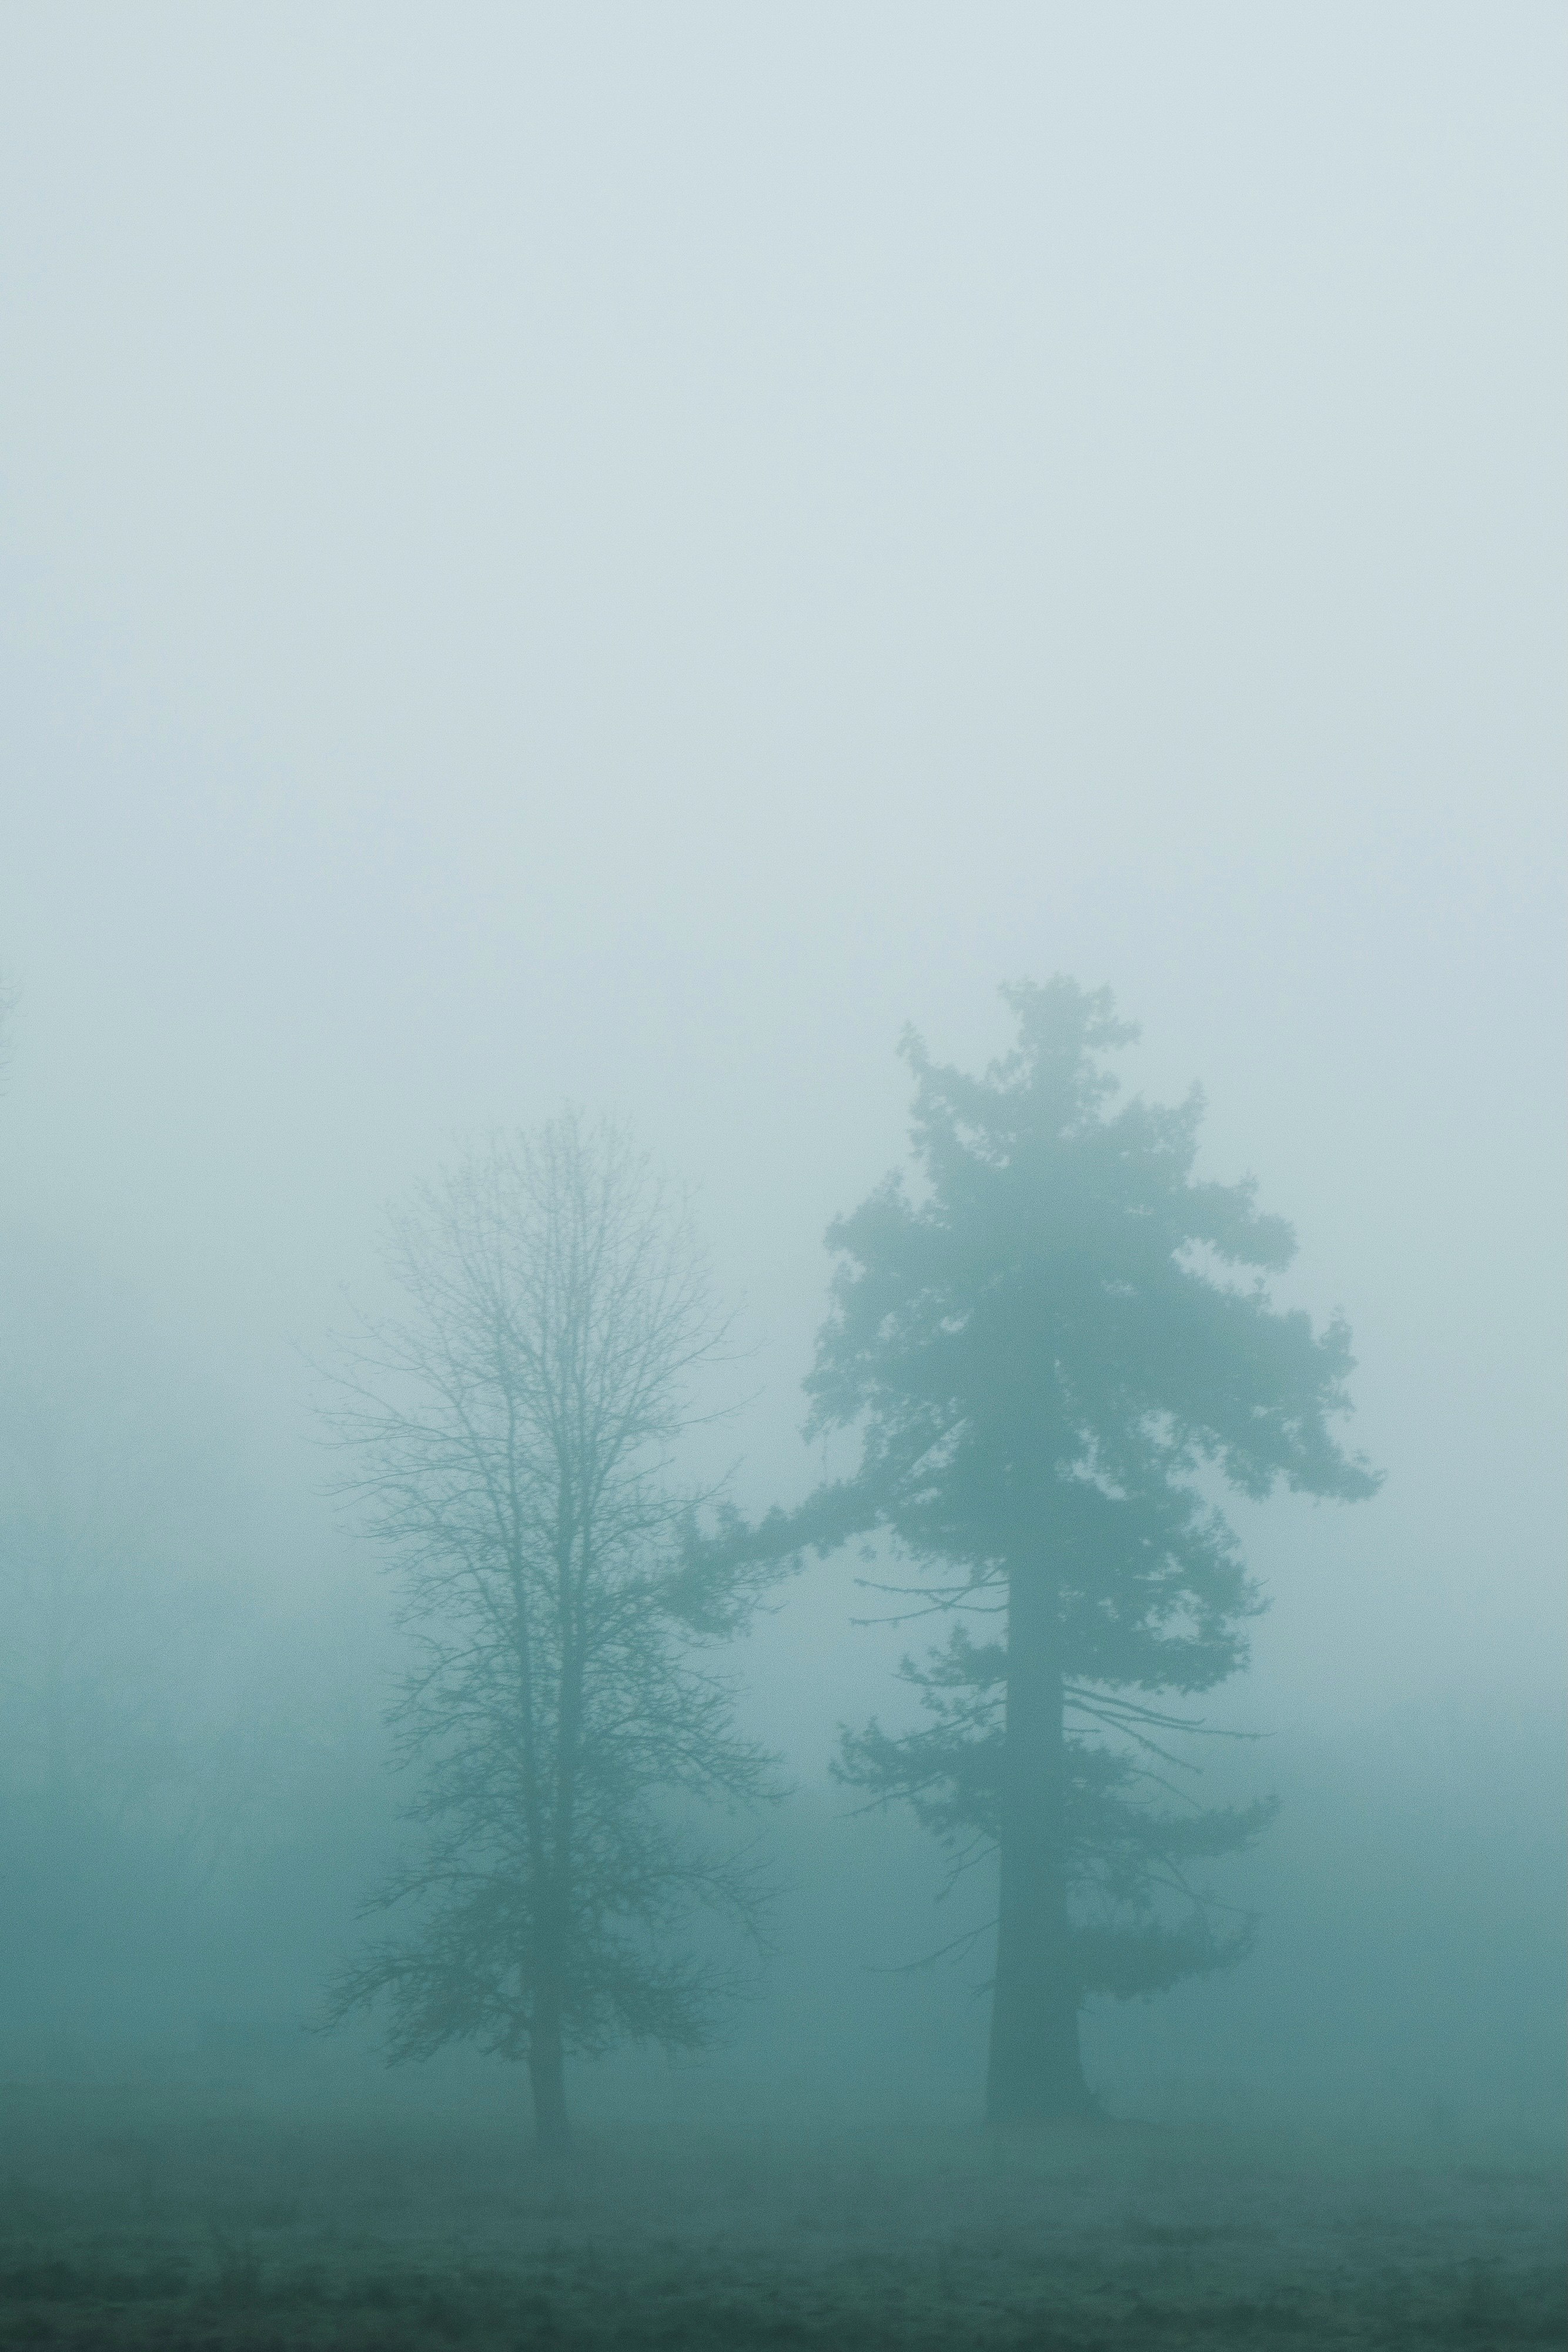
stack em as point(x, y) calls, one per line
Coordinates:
point(1043, 1350)
point(508, 1438)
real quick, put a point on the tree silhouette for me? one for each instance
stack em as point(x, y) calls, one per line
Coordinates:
point(1043, 1351)
point(510, 1440)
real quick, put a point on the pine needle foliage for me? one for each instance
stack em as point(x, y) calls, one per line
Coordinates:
point(1054, 1347)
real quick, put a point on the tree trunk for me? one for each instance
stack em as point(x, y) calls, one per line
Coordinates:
point(1035, 2073)
point(546, 2075)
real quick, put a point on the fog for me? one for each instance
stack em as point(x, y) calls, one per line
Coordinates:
point(618, 557)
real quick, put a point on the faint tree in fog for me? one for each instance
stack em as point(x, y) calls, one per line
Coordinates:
point(9, 996)
point(510, 1438)
point(122, 1707)
point(1042, 1354)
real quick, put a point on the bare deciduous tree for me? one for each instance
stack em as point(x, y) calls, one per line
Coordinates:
point(510, 1436)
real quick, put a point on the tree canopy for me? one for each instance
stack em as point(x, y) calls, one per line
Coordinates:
point(509, 1438)
point(1054, 1345)
point(1042, 1347)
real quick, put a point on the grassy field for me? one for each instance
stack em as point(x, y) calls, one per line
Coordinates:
point(185, 2219)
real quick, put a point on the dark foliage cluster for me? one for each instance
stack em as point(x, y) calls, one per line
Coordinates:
point(1046, 1350)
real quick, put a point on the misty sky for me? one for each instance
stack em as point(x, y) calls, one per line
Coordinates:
point(626, 552)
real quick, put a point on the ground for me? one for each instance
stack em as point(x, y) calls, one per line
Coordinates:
point(183, 2219)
